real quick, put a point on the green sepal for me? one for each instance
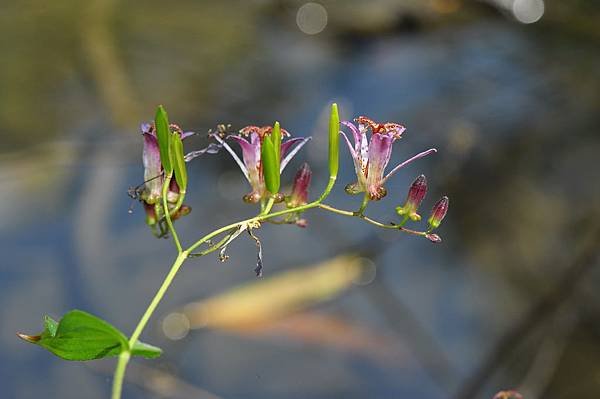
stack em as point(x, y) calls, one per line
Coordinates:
point(81, 336)
point(178, 161)
point(276, 138)
point(270, 165)
point(334, 141)
point(163, 135)
point(145, 350)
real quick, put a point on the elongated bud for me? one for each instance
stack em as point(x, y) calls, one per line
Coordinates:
point(438, 213)
point(433, 237)
point(270, 165)
point(276, 138)
point(299, 195)
point(334, 141)
point(416, 193)
point(163, 135)
point(178, 161)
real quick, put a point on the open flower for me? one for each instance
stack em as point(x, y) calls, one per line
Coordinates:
point(372, 156)
point(250, 140)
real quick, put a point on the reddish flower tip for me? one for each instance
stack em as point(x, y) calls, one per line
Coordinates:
point(299, 195)
point(416, 194)
point(433, 238)
point(438, 213)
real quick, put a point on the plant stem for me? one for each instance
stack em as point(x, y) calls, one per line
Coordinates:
point(165, 190)
point(119, 374)
point(125, 356)
point(363, 206)
point(157, 298)
point(268, 207)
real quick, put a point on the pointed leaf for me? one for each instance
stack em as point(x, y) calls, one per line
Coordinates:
point(178, 161)
point(276, 138)
point(145, 350)
point(334, 141)
point(270, 165)
point(81, 336)
point(163, 135)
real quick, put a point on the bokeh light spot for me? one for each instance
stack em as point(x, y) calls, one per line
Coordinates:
point(311, 18)
point(176, 326)
point(368, 272)
point(528, 11)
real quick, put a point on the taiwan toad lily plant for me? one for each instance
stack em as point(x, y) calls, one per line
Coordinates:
point(265, 153)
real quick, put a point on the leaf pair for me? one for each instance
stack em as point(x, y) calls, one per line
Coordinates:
point(170, 146)
point(82, 336)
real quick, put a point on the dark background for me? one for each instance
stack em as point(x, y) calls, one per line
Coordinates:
point(509, 93)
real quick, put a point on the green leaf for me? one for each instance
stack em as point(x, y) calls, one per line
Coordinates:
point(270, 165)
point(177, 158)
point(145, 350)
point(334, 141)
point(276, 138)
point(163, 135)
point(82, 336)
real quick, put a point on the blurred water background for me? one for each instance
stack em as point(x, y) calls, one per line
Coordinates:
point(507, 90)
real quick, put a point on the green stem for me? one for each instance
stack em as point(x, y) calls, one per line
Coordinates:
point(119, 374)
point(125, 356)
point(404, 220)
point(268, 207)
point(328, 189)
point(158, 297)
point(165, 191)
point(363, 206)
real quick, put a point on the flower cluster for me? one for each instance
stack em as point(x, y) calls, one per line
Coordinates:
point(267, 150)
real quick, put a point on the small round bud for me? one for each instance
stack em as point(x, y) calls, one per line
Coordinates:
point(251, 198)
point(302, 223)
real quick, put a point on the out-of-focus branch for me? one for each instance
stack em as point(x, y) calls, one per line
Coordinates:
point(404, 322)
point(105, 64)
point(546, 306)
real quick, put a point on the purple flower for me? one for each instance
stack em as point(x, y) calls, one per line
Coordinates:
point(372, 156)
point(154, 178)
point(299, 195)
point(250, 140)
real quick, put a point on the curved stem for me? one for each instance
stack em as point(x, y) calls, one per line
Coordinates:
point(363, 206)
point(328, 189)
